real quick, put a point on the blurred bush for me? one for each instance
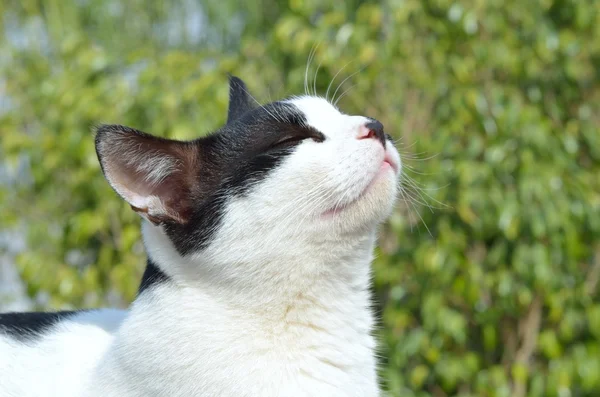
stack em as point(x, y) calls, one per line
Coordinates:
point(496, 105)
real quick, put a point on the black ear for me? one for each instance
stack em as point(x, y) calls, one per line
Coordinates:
point(240, 100)
point(155, 176)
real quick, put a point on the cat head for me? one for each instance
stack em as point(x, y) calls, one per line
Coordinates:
point(292, 170)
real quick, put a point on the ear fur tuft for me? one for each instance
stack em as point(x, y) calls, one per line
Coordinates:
point(156, 176)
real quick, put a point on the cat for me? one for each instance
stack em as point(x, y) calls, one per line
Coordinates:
point(259, 240)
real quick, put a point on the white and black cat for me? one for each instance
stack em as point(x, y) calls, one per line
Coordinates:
point(259, 239)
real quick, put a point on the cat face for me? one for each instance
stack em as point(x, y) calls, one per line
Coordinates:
point(290, 170)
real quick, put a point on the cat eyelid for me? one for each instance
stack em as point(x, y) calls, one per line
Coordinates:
point(291, 140)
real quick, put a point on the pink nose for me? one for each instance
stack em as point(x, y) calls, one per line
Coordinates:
point(372, 130)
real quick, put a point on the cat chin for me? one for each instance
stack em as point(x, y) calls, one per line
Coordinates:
point(386, 173)
point(369, 209)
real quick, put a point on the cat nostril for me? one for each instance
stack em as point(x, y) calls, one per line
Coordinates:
point(373, 130)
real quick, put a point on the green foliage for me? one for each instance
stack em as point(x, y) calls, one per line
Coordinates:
point(496, 105)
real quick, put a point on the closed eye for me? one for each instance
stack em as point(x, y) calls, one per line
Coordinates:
point(289, 141)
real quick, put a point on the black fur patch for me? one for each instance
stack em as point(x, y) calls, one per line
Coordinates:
point(235, 158)
point(240, 100)
point(153, 275)
point(27, 327)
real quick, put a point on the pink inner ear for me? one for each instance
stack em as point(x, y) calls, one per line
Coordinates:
point(155, 176)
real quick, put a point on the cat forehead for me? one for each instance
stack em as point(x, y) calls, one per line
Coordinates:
point(308, 111)
point(318, 112)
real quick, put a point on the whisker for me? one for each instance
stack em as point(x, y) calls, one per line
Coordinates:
point(340, 200)
point(410, 219)
point(420, 159)
point(397, 141)
point(314, 203)
point(413, 198)
point(406, 147)
point(420, 217)
point(315, 79)
point(343, 81)
point(409, 154)
point(311, 54)
point(344, 93)
point(333, 79)
point(413, 170)
point(420, 189)
point(413, 192)
point(314, 191)
point(427, 188)
point(422, 200)
point(262, 106)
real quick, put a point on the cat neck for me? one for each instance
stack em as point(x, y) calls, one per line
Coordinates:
point(335, 273)
point(305, 320)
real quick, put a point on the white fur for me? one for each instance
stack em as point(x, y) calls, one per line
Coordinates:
point(277, 305)
point(62, 361)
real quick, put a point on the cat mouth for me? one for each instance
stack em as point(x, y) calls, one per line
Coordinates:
point(390, 162)
point(387, 164)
